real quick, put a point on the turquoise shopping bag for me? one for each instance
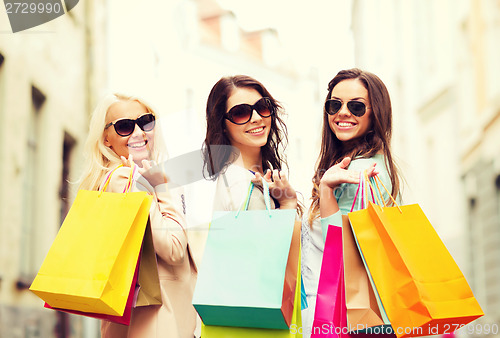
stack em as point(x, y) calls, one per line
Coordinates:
point(242, 280)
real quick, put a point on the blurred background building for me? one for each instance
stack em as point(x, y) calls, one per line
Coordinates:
point(48, 79)
point(439, 59)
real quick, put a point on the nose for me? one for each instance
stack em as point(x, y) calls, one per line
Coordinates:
point(344, 110)
point(138, 132)
point(255, 116)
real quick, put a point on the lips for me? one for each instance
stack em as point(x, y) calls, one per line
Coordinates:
point(257, 130)
point(345, 124)
point(138, 144)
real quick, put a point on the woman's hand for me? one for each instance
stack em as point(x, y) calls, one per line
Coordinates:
point(338, 174)
point(279, 188)
point(333, 177)
point(150, 171)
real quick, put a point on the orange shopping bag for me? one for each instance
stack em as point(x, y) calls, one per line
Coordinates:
point(421, 287)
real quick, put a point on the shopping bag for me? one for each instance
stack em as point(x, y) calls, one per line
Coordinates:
point(365, 314)
point(330, 312)
point(423, 291)
point(295, 330)
point(149, 292)
point(143, 292)
point(243, 281)
point(303, 300)
point(361, 302)
point(91, 263)
point(123, 319)
point(292, 275)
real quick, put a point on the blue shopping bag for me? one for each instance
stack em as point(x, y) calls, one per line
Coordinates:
point(242, 281)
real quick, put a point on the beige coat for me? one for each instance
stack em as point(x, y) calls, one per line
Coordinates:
point(176, 318)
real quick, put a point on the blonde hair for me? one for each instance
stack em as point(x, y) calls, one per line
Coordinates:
point(100, 158)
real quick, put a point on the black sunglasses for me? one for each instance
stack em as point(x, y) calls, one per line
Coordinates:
point(125, 127)
point(357, 108)
point(242, 113)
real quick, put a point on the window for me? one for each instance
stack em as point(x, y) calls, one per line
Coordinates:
point(2, 155)
point(30, 190)
point(472, 238)
point(497, 185)
point(69, 143)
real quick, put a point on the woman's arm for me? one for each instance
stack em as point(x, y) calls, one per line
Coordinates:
point(331, 180)
point(169, 227)
point(167, 222)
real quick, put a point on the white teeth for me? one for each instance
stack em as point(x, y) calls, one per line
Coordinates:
point(345, 124)
point(255, 131)
point(137, 145)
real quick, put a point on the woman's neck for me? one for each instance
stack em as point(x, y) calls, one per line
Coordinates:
point(351, 145)
point(250, 159)
point(350, 148)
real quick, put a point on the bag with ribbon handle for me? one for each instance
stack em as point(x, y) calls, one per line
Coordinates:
point(248, 276)
point(420, 286)
point(91, 264)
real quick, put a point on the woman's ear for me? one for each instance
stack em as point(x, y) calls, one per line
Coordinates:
point(106, 142)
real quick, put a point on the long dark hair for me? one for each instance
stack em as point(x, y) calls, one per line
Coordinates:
point(376, 139)
point(216, 155)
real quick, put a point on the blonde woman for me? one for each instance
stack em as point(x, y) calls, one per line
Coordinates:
point(122, 131)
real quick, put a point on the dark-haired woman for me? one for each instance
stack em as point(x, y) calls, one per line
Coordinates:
point(244, 140)
point(357, 127)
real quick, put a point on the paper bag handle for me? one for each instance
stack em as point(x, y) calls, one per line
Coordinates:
point(388, 193)
point(362, 192)
point(364, 184)
point(267, 198)
point(128, 187)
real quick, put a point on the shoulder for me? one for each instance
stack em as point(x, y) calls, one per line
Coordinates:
point(235, 171)
point(231, 188)
point(118, 179)
point(234, 175)
point(361, 163)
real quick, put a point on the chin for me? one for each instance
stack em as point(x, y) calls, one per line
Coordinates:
point(139, 157)
point(261, 144)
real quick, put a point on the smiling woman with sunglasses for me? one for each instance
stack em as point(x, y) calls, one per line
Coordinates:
point(122, 131)
point(244, 141)
point(357, 127)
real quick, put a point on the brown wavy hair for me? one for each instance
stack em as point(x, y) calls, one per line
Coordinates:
point(377, 139)
point(216, 159)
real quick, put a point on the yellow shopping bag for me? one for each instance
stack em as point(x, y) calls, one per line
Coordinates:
point(421, 287)
point(91, 263)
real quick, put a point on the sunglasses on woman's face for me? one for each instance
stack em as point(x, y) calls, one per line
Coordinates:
point(242, 113)
point(357, 108)
point(126, 127)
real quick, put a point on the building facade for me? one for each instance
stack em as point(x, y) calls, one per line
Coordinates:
point(440, 61)
point(169, 52)
point(50, 77)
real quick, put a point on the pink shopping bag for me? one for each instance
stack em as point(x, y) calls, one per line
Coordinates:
point(330, 313)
